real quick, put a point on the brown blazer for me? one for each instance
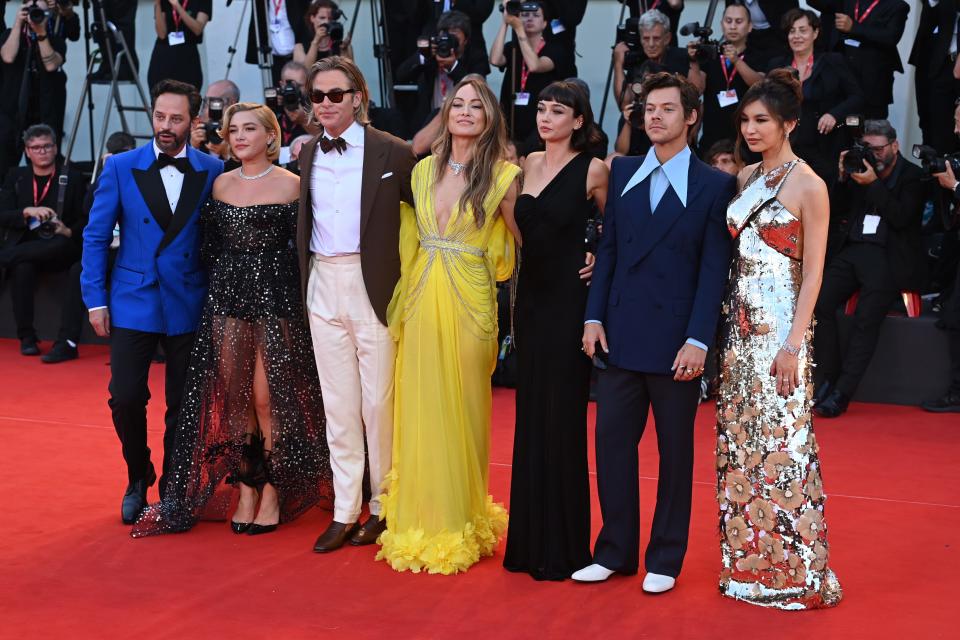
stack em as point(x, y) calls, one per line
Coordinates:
point(379, 213)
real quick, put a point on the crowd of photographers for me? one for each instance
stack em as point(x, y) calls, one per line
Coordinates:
point(893, 233)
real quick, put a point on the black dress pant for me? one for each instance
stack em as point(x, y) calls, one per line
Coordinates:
point(951, 322)
point(131, 353)
point(862, 267)
point(935, 106)
point(624, 399)
point(23, 262)
point(72, 310)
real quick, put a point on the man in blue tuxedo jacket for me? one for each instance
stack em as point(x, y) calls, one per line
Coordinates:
point(158, 285)
point(653, 307)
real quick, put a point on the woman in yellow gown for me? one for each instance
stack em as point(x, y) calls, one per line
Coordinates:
point(440, 518)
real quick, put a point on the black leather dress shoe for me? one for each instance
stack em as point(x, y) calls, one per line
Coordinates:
point(947, 403)
point(134, 501)
point(822, 392)
point(258, 529)
point(29, 346)
point(369, 532)
point(833, 405)
point(61, 352)
point(239, 527)
point(334, 537)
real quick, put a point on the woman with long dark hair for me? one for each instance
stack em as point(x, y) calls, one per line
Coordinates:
point(439, 515)
point(549, 533)
point(773, 534)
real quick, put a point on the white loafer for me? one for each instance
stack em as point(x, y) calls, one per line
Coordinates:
point(592, 573)
point(656, 583)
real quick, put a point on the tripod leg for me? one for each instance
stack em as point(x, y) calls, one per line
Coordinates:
point(78, 114)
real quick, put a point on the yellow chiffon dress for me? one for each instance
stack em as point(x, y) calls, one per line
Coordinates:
point(440, 518)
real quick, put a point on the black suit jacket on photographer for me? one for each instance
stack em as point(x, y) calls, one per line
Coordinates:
point(17, 194)
point(931, 48)
point(663, 7)
point(425, 75)
point(876, 58)
point(477, 10)
point(899, 202)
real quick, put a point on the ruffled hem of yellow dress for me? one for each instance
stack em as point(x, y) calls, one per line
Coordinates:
point(446, 552)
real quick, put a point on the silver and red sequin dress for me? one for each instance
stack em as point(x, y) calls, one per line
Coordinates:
point(773, 536)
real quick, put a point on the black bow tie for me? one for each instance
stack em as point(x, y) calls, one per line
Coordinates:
point(326, 144)
point(181, 164)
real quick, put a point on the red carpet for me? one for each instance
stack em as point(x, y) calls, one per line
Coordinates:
point(68, 569)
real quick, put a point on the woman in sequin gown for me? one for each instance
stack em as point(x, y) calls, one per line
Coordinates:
point(440, 518)
point(773, 536)
point(252, 414)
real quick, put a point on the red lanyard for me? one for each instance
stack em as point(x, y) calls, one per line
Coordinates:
point(656, 3)
point(524, 72)
point(277, 5)
point(176, 16)
point(46, 190)
point(856, 11)
point(442, 79)
point(729, 76)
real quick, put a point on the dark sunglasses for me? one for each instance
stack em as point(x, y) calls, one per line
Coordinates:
point(335, 95)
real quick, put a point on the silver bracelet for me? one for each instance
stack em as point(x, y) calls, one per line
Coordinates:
point(789, 348)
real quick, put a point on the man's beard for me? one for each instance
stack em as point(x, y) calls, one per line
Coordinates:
point(170, 148)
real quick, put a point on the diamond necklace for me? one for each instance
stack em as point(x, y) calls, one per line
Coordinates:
point(259, 175)
point(456, 166)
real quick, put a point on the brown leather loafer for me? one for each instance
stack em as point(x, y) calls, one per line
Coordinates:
point(334, 537)
point(369, 532)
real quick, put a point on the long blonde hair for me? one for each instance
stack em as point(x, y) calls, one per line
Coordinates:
point(489, 149)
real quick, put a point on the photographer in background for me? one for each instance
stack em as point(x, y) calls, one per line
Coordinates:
point(280, 25)
point(874, 247)
point(63, 21)
point(950, 316)
point(867, 34)
point(34, 86)
point(477, 11)
point(220, 95)
point(290, 104)
point(934, 55)
point(645, 40)
point(530, 63)
point(323, 35)
point(176, 56)
point(34, 237)
point(767, 38)
point(670, 8)
point(123, 15)
point(725, 74)
point(438, 65)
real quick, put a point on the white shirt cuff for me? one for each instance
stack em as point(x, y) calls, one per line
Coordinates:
point(697, 343)
point(593, 322)
point(95, 308)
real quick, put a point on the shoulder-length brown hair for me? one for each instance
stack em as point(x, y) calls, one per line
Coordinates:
point(355, 78)
point(489, 148)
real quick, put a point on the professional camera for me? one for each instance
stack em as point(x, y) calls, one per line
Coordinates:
point(707, 49)
point(636, 116)
point(46, 229)
point(214, 120)
point(444, 44)
point(37, 15)
point(932, 162)
point(629, 34)
point(290, 95)
point(514, 7)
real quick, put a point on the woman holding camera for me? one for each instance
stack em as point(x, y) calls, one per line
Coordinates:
point(252, 412)
point(321, 41)
point(830, 94)
point(549, 533)
point(530, 63)
point(179, 25)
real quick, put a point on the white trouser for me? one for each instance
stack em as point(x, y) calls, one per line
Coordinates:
point(356, 358)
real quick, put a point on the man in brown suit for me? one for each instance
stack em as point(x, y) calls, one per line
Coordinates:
point(353, 178)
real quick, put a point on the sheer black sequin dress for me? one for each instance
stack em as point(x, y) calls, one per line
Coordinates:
point(253, 309)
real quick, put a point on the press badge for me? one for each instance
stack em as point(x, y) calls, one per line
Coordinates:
point(176, 37)
point(556, 26)
point(870, 224)
point(727, 98)
point(850, 42)
point(522, 99)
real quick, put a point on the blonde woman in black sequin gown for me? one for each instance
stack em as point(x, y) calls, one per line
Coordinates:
point(252, 414)
point(772, 528)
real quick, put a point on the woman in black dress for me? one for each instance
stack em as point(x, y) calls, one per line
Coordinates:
point(252, 414)
point(549, 531)
point(179, 25)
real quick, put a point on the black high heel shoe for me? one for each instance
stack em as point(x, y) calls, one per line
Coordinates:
point(240, 527)
point(257, 529)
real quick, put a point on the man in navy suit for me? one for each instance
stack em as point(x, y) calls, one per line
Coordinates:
point(653, 308)
point(158, 285)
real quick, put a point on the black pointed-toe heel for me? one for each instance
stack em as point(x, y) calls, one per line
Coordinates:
point(239, 527)
point(257, 529)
